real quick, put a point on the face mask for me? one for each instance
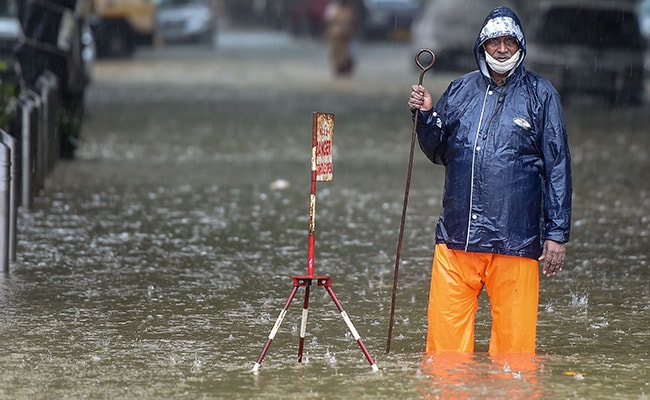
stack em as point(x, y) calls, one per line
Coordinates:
point(501, 67)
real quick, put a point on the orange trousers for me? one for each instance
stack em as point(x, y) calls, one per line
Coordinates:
point(458, 277)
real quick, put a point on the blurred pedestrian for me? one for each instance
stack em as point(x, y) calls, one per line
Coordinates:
point(341, 21)
point(500, 133)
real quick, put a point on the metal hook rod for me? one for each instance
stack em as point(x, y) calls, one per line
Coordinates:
point(424, 68)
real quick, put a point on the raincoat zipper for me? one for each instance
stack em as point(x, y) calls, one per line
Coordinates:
point(471, 191)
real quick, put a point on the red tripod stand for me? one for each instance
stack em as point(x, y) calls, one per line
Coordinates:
point(321, 170)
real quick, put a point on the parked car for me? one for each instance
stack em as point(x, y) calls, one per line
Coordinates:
point(188, 21)
point(120, 26)
point(389, 18)
point(589, 47)
point(450, 28)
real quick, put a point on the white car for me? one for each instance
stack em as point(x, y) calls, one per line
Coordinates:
point(188, 21)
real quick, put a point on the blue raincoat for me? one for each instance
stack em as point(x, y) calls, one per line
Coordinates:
point(506, 156)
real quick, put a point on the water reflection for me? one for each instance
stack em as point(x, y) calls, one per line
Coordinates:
point(467, 376)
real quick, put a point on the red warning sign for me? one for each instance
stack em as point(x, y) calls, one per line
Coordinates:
point(322, 152)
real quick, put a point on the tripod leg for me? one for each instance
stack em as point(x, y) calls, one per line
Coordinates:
point(351, 327)
point(303, 324)
point(275, 329)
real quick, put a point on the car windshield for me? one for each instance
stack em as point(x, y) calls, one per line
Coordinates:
point(591, 28)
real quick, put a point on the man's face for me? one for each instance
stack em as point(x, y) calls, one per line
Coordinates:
point(501, 48)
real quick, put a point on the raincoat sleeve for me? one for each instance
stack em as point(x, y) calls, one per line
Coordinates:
point(557, 173)
point(431, 133)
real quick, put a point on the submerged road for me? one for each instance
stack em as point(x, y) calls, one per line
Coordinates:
point(154, 265)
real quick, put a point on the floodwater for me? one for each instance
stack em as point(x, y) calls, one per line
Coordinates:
point(155, 265)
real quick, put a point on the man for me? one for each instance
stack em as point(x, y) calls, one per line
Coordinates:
point(500, 133)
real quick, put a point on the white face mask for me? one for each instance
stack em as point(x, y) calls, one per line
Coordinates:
point(501, 67)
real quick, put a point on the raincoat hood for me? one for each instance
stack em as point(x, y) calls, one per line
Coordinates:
point(501, 21)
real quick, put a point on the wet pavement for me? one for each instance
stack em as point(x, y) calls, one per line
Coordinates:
point(156, 263)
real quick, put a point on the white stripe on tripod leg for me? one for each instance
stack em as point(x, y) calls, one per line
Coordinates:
point(351, 327)
point(278, 322)
point(303, 324)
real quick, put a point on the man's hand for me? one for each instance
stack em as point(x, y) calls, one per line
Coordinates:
point(420, 99)
point(553, 257)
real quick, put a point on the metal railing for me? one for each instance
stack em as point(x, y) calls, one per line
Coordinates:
point(27, 154)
